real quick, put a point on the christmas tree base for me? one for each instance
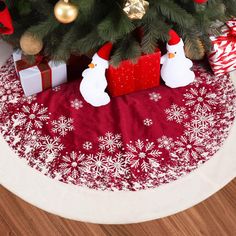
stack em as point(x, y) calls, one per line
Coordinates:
point(138, 141)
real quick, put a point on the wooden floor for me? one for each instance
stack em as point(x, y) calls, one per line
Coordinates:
point(214, 217)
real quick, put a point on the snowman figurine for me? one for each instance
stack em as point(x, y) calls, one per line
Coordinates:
point(176, 68)
point(94, 80)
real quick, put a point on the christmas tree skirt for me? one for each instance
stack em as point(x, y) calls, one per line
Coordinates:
point(138, 142)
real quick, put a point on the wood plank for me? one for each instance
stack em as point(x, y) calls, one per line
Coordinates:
point(215, 216)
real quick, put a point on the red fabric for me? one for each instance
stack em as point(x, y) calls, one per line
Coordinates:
point(105, 51)
point(5, 20)
point(138, 141)
point(174, 38)
point(129, 77)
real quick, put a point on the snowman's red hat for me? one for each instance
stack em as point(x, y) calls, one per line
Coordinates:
point(174, 38)
point(105, 51)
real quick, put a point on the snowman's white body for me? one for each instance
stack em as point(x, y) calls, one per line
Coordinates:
point(176, 68)
point(94, 83)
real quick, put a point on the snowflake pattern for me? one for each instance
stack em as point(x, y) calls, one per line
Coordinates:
point(110, 142)
point(176, 113)
point(118, 165)
point(71, 165)
point(87, 145)
point(111, 161)
point(33, 116)
point(165, 142)
point(76, 104)
point(148, 122)
point(29, 99)
point(98, 164)
point(31, 141)
point(10, 87)
point(195, 129)
point(50, 147)
point(203, 117)
point(142, 156)
point(155, 96)
point(200, 99)
point(189, 147)
point(62, 126)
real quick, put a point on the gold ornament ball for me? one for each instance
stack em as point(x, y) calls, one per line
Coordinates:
point(30, 45)
point(66, 12)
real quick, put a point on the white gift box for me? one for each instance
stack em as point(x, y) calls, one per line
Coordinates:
point(32, 80)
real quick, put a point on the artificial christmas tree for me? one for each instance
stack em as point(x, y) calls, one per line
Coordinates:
point(101, 21)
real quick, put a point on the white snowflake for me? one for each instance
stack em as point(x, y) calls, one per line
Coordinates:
point(165, 142)
point(87, 145)
point(148, 122)
point(196, 129)
point(110, 142)
point(189, 147)
point(50, 147)
point(72, 165)
point(14, 138)
point(29, 99)
point(6, 127)
point(31, 141)
point(200, 99)
point(33, 116)
point(204, 77)
point(118, 165)
point(77, 104)
point(203, 117)
point(155, 96)
point(98, 164)
point(62, 126)
point(176, 113)
point(10, 87)
point(2, 108)
point(18, 119)
point(142, 156)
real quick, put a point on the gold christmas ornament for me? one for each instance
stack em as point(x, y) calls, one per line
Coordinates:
point(65, 11)
point(136, 9)
point(30, 45)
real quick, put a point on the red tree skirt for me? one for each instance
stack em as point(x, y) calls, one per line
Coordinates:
point(138, 141)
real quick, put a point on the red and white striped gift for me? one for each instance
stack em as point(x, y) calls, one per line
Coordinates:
point(222, 57)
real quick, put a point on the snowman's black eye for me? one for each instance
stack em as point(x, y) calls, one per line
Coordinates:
point(175, 52)
point(95, 64)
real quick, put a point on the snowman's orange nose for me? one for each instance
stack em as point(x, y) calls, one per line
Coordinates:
point(91, 66)
point(171, 55)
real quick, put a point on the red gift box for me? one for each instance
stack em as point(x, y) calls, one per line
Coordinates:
point(222, 57)
point(129, 77)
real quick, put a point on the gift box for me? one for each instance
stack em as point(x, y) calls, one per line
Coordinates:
point(129, 77)
point(222, 57)
point(42, 75)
